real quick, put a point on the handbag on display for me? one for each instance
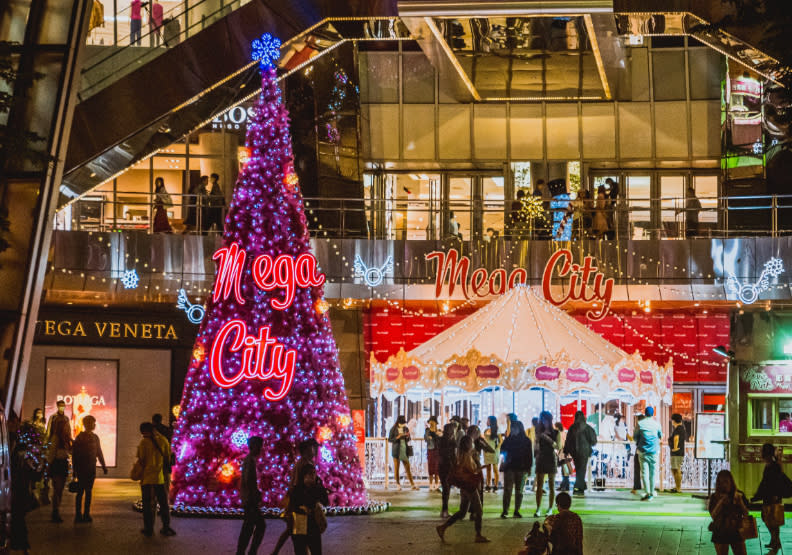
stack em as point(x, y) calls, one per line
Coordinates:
point(748, 529)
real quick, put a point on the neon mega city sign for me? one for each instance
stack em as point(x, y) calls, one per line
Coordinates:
point(284, 272)
point(453, 269)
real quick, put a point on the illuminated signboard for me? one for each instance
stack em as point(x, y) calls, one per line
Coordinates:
point(285, 273)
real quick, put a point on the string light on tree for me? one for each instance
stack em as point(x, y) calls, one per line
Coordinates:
point(265, 362)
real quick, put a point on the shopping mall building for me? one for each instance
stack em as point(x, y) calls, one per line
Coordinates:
point(417, 126)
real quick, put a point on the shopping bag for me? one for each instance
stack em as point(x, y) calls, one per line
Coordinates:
point(748, 528)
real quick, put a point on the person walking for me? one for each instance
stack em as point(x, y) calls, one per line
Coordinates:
point(727, 506)
point(565, 529)
point(305, 500)
point(677, 444)
point(601, 214)
point(771, 491)
point(216, 201)
point(399, 437)
point(152, 452)
point(692, 209)
point(432, 437)
point(467, 476)
point(492, 460)
point(517, 462)
point(307, 450)
point(60, 444)
point(162, 200)
point(254, 524)
point(447, 455)
point(579, 444)
point(531, 433)
point(647, 444)
point(160, 428)
point(86, 450)
point(546, 462)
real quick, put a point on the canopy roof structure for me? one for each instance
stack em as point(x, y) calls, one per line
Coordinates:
point(521, 341)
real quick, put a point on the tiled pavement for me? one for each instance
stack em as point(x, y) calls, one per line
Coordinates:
point(614, 523)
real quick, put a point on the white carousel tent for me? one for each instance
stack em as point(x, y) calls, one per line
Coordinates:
point(518, 342)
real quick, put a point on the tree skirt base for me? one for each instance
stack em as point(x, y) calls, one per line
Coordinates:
point(372, 507)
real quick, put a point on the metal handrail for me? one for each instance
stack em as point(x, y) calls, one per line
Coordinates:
point(660, 217)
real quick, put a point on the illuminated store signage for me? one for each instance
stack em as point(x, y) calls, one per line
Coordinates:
point(585, 282)
point(284, 272)
point(100, 329)
point(372, 275)
point(748, 293)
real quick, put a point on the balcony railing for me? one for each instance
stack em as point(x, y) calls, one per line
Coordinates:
point(407, 219)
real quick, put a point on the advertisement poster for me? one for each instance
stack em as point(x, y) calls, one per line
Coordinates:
point(710, 428)
point(87, 387)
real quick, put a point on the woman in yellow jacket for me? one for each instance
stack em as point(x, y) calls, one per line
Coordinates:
point(153, 453)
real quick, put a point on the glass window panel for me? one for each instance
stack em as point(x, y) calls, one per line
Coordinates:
point(672, 197)
point(706, 67)
point(785, 415)
point(489, 129)
point(418, 75)
point(562, 131)
point(415, 209)
point(671, 129)
point(706, 187)
point(492, 193)
point(526, 131)
point(705, 125)
point(668, 72)
point(419, 135)
point(379, 77)
point(454, 132)
point(762, 418)
point(639, 73)
point(459, 206)
point(599, 131)
point(639, 191)
point(382, 126)
point(634, 121)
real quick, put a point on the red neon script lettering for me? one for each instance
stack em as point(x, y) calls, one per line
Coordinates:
point(229, 272)
point(285, 273)
point(578, 283)
point(253, 364)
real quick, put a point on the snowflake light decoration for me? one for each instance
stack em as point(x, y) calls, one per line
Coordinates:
point(130, 279)
point(266, 50)
point(749, 292)
point(239, 439)
point(327, 455)
point(532, 207)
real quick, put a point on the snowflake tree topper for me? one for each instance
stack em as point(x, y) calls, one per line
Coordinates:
point(266, 50)
point(749, 292)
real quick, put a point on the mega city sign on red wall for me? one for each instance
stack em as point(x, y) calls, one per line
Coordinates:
point(284, 272)
point(585, 283)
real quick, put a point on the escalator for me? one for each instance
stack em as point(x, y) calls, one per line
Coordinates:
point(135, 100)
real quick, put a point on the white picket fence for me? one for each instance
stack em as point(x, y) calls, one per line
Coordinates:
point(610, 461)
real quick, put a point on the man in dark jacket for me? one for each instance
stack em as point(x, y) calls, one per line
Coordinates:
point(677, 444)
point(579, 444)
point(254, 523)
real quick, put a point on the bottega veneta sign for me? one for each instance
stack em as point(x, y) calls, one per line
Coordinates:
point(585, 282)
point(101, 329)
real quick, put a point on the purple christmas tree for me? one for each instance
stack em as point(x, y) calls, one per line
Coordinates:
point(265, 362)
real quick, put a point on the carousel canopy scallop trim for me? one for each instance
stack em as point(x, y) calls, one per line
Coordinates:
point(520, 341)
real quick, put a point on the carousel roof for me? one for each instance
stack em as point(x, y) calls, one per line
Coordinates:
point(521, 326)
point(520, 341)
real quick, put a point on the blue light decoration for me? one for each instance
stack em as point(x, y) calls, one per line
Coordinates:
point(748, 293)
point(130, 279)
point(374, 275)
point(195, 312)
point(239, 439)
point(266, 50)
point(327, 455)
point(562, 217)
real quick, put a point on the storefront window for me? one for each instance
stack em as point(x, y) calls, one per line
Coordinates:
point(459, 205)
point(493, 195)
point(785, 415)
point(762, 414)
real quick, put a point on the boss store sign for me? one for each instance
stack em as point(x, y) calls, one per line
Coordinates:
point(234, 119)
point(118, 330)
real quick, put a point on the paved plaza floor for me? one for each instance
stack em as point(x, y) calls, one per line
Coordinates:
point(615, 522)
